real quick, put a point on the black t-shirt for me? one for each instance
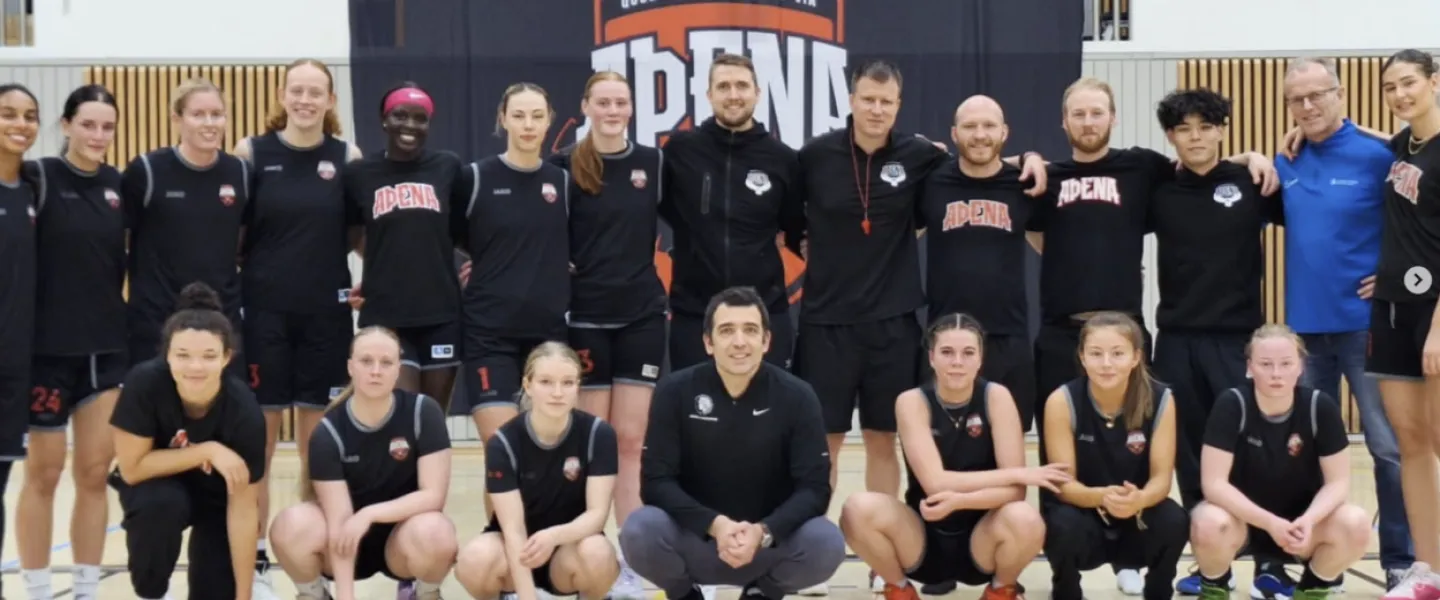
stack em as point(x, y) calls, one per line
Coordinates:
point(975, 243)
point(149, 406)
point(184, 227)
point(81, 269)
point(1277, 457)
point(1106, 454)
point(296, 247)
point(964, 439)
point(1410, 246)
point(612, 239)
point(17, 275)
point(379, 463)
point(1094, 216)
point(551, 479)
point(1211, 257)
point(411, 212)
point(518, 236)
point(852, 276)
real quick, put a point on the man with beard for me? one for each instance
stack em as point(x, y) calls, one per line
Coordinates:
point(1094, 224)
point(859, 340)
point(729, 189)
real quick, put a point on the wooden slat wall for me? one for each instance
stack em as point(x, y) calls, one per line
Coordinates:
point(1259, 121)
point(143, 93)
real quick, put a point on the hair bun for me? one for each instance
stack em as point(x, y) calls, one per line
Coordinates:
point(198, 296)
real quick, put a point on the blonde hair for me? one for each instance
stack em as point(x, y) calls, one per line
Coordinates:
point(180, 98)
point(278, 118)
point(1087, 83)
point(306, 488)
point(1276, 330)
point(1139, 387)
point(547, 349)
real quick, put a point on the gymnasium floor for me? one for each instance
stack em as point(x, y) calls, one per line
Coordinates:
point(1364, 581)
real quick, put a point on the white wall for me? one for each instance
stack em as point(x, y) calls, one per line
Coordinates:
point(210, 31)
point(1276, 27)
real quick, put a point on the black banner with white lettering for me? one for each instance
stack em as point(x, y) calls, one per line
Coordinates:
point(466, 53)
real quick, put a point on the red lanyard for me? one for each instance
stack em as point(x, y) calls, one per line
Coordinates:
point(864, 191)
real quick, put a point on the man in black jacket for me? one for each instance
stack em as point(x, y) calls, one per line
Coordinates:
point(729, 189)
point(735, 471)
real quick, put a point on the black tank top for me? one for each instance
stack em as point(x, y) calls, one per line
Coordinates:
point(962, 436)
point(1108, 453)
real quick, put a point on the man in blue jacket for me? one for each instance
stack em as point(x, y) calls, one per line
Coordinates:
point(1334, 189)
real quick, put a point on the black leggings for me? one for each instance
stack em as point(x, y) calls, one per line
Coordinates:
point(157, 512)
point(1077, 540)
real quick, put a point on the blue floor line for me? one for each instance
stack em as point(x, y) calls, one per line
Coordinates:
point(11, 564)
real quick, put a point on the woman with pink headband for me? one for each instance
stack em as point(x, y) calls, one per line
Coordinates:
point(407, 203)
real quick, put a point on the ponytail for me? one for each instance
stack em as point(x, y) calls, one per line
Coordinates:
point(1139, 403)
point(586, 166)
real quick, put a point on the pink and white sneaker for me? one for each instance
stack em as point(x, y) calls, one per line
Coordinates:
point(1416, 583)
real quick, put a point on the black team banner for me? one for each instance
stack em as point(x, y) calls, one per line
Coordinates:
point(465, 53)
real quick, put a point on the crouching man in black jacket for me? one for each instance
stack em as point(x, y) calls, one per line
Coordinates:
point(735, 474)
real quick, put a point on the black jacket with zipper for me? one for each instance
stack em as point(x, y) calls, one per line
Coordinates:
point(726, 196)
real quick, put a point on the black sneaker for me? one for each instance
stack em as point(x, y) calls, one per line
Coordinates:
point(938, 589)
point(753, 592)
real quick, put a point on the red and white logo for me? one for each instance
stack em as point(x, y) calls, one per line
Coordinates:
point(112, 198)
point(572, 468)
point(548, 191)
point(180, 440)
point(326, 170)
point(1135, 442)
point(638, 178)
point(227, 195)
point(1295, 444)
point(975, 426)
point(399, 448)
point(404, 196)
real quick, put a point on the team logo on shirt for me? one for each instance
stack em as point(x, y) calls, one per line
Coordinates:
point(404, 196)
point(1294, 445)
point(798, 49)
point(227, 195)
point(572, 468)
point(1405, 179)
point(548, 191)
point(638, 178)
point(893, 173)
point(703, 405)
point(180, 440)
point(399, 449)
point(1227, 194)
point(1089, 189)
point(1135, 442)
point(758, 181)
point(326, 170)
point(112, 198)
point(974, 426)
point(977, 213)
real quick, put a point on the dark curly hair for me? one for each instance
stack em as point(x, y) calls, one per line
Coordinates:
point(1210, 106)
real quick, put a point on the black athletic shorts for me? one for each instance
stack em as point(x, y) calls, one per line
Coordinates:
point(370, 553)
point(687, 341)
point(866, 364)
point(297, 359)
point(493, 379)
point(430, 346)
point(540, 575)
point(1397, 339)
point(629, 354)
point(14, 404)
point(947, 556)
point(60, 385)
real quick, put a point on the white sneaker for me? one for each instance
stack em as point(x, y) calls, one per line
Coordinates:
point(877, 584)
point(1416, 583)
point(708, 591)
point(261, 588)
point(819, 589)
point(627, 585)
point(1130, 582)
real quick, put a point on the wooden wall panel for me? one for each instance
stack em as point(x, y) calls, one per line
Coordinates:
point(1259, 121)
point(144, 96)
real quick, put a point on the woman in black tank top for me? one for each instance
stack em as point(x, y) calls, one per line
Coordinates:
point(1115, 427)
point(294, 276)
point(965, 450)
point(374, 487)
point(1276, 473)
point(550, 473)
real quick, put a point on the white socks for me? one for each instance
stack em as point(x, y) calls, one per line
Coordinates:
point(86, 578)
point(37, 583)
point(315, 589)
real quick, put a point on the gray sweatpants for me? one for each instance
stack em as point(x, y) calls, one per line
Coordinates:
point(677, 560)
